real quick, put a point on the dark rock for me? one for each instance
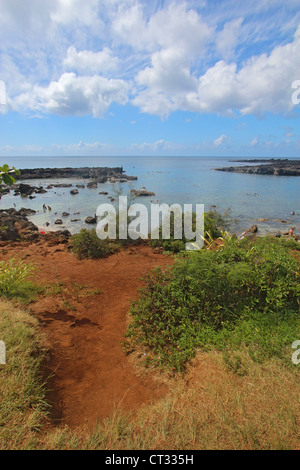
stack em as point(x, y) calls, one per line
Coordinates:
point(25, 212)
point(101, 179)
point(40, 191)
point(74, 191)
point(26, 189)
point(65, 214)
point(92, 185)
point(276, 167)
point(14, 226)
point(91, 220)
point(141, 192)
point(58, 222)
point(83, 172)
point(104, 193)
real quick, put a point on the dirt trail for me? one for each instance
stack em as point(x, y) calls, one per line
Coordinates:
point(90, 373)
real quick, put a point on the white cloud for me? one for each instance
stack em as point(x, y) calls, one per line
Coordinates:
point(262, 84)
point(173, 26)
point(90, 62)
point(220, 140)
point(168, 48)
point(170, 72)
point(73, 95)
point(75, 11)
point(227, 39)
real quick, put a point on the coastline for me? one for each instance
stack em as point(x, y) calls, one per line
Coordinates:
point(275, 167)
point(264, 200)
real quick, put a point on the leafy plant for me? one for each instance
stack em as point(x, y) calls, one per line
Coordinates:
point(6, 174)
point(215, 225)
point(14, 275)
point(206, 297)
point(86, 244)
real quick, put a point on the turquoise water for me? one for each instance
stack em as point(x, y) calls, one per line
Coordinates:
point(182, 180)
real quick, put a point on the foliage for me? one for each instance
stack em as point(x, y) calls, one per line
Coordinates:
point(219, 298)
point(14, 283)
point(6, 174)
point(86, 244)
point(214, 226)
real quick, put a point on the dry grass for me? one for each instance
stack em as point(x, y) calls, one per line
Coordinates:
point(210, 408)
point(22, 405)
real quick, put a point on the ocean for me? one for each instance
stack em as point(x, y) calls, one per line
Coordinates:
point(182, 180)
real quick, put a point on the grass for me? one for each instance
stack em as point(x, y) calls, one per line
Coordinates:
point(15, 280)
point(23, 409)
point(209, 408)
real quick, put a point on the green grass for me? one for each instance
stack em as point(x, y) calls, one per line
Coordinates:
point(15, 280)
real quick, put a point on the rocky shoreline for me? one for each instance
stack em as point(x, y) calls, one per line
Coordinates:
point(273, 167)
point(15, 226)
point(98, 174)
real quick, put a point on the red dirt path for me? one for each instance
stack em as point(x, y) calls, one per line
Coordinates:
point(90, 373)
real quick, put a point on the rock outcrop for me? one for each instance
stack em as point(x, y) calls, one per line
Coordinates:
point(273, 167)
point(97, 174)
point(14, 225)
point(141, 192)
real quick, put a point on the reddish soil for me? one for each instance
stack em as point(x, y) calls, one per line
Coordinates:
point(88, 372)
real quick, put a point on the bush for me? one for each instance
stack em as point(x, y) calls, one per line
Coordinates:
point(214, 224)
point(86, 244)
point(207, 296)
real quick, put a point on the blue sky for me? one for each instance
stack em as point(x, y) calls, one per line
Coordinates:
point(133, 77)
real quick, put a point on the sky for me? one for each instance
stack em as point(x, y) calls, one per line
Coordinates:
point(133, 77)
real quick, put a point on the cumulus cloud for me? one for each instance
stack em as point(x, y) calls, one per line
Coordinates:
point(88, 61)
point(262, 84)
point(170, 50)
point(73, 95)
point(174, 26)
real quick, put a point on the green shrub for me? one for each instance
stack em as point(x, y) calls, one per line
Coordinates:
point(86, 244)
point(206, 297)
point(214, 225)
